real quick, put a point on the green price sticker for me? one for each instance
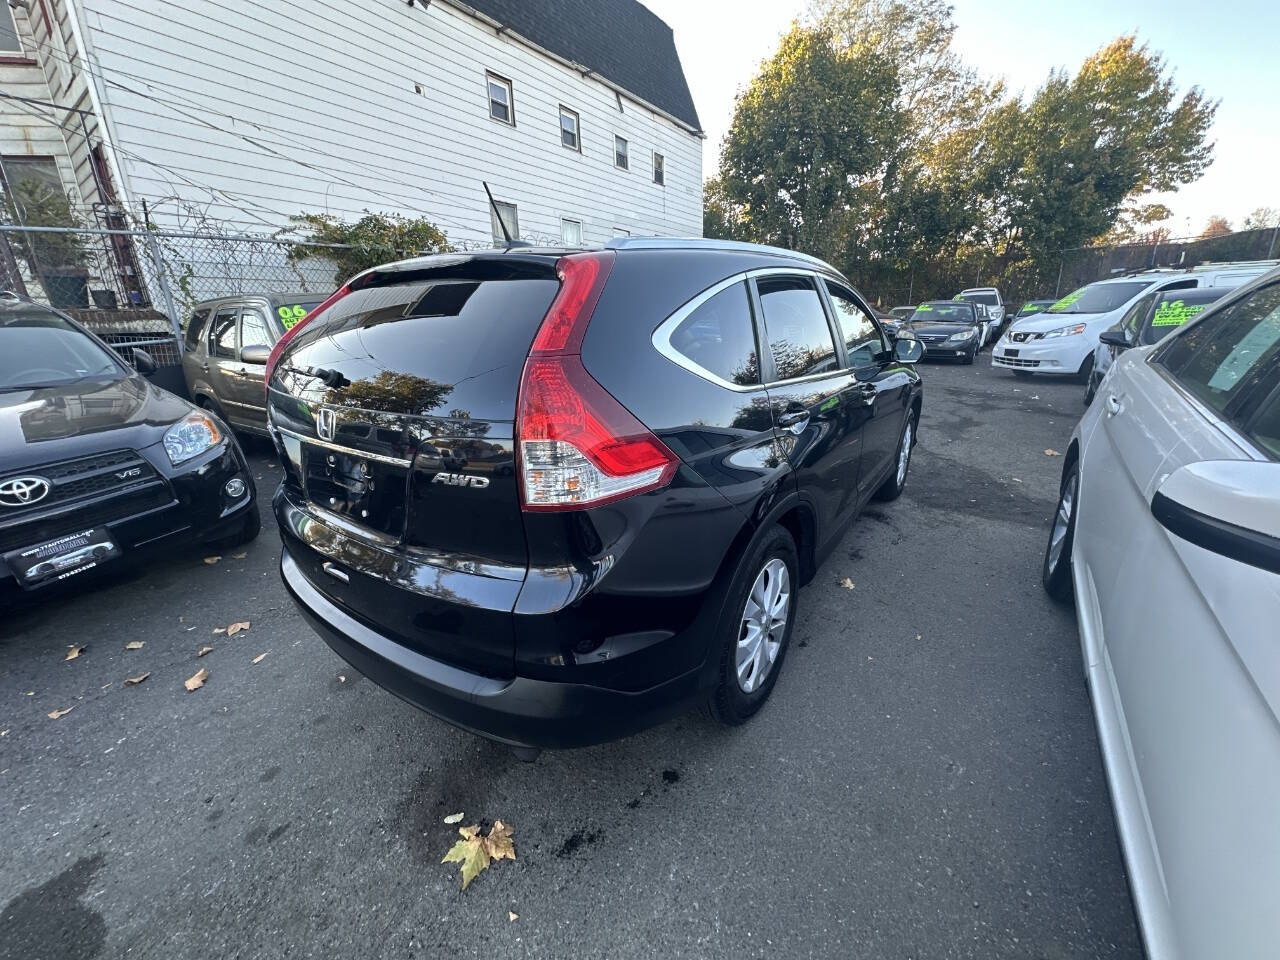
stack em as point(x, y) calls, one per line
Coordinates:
point(1065, 302)
point(924, 308)
point(957, 298)
point(291, 314)
point(1175, 314)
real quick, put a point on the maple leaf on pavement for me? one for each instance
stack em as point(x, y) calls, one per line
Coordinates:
point(475, 852)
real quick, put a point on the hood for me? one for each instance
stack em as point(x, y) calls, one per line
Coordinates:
point(934, 329)
point(1044, 322)
point(46, 424)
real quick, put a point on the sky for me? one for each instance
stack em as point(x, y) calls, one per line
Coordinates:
point(1228, 49)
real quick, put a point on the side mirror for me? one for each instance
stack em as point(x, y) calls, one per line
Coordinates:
point(143, 362)
point(908, 350)
point(1115, 338)
point(1228, 507)
point(256, 354)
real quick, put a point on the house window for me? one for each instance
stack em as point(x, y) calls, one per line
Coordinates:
point(571, 233)
point(510, 219)
point(659, 169)
point(10, 43)
point(34, 190)
point(569, 135)
point(620, 158)
point(501, 99)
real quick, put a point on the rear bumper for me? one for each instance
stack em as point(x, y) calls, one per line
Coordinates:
point(519, 711)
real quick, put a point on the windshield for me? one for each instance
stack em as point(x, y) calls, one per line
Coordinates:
point(1098, 297)
point(990, 299)
point(43, 349)
point(1035, 306)
point(942, 313)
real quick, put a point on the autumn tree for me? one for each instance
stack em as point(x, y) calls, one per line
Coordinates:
point(1216, 226)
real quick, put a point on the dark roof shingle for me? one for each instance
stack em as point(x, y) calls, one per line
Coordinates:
point(622, 40)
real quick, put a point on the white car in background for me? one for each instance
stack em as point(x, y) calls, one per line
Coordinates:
point(1222, 277)
point(990, 298)
point(1167, 533)
point(1061, 340)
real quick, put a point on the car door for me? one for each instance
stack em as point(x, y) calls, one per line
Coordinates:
point(247, 386)
point(880, 411)
point(1184, 648)
point(818, 406)
point(222, 362)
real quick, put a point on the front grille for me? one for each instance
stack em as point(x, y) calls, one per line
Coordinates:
point(1024, 337)
point(83, 478)
point(929, 338)
point(1017, 362)
point(128, 504)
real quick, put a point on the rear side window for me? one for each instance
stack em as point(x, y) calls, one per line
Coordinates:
point(796, 327)
point(719, 338)
point(195, 327)
point(1264, 426)
point(1222, 359)
point(222, 335)
point(253, 330)
point(862, 340)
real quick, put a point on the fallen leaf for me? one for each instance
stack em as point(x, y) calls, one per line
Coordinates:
point(260, 657)
point(475, 852)
point(135, 644)
point(1015, 480)
point(218, 631)
point(134, 681)
point(211, 560)
point(453, 818)
point(4, 733)
point(196, 680)
point(513, 917)
point(62, 713)
point(238, 556)
point(341, 678)
point(1052, 453)
point(203, 650)
point(237, 628)
point(847, 583)
point(73, 652)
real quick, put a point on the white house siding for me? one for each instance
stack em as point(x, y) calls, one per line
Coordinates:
point(249, 111)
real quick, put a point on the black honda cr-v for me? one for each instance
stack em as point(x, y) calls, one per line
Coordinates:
point(555, 496)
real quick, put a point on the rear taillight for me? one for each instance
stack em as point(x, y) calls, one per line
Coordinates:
point(577, 445)
point(278, 349)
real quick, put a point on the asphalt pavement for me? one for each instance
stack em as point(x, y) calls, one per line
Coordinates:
point(924, 783)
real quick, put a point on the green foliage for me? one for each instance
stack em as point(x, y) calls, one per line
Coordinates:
point(374, 239)
point(37, 204)
point(867, 141)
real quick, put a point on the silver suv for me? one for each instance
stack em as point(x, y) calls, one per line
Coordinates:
point(227, 344)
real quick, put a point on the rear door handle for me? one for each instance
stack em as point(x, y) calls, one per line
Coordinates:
point(1114, 405)
point(867, 392)
point(794, 420)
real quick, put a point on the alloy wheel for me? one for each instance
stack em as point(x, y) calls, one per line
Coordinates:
point(1062, 521)
point(764, 623)
point(904, 454)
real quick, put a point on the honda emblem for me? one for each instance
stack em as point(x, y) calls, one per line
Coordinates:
point(326, 423)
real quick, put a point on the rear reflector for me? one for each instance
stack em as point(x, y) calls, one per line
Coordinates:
point(278, 349)
point(577, 445)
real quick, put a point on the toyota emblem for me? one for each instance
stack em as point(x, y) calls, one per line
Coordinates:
point(21, 491)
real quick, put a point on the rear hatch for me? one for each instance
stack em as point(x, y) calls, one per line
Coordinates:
point(395, 408)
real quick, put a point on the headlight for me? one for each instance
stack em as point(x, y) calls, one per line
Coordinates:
point(191, 436)
point(962, 335)
point(1070, 331)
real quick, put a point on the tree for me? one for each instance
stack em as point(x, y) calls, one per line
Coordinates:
point(1263, 218)
point(720, 218)
point(1216, 226)
point(809, 141)
point(374, 239)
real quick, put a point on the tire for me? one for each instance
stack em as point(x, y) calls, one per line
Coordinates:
point(771, 565)
point(1055, 574)
point(1090, 389)
point(1085, 373)
point(246, 534)
point(971, 356)
point(894, 484)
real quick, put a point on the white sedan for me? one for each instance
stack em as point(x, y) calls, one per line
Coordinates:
point(1167, 532)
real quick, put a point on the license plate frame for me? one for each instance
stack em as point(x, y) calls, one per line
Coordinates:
point(61, 558)
point(1010, 353)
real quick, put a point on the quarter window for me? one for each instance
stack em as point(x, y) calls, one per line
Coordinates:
point(796, 327)
point(569, 134)
point(501, 99)
point(1222, 358)
point(571, 233)
point(222, 335)
point(195, 327)
point(718, 337)
point(621, 159)
point(862, 339)
point(659, 169)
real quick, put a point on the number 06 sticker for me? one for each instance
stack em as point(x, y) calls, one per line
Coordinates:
point(291, 314)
